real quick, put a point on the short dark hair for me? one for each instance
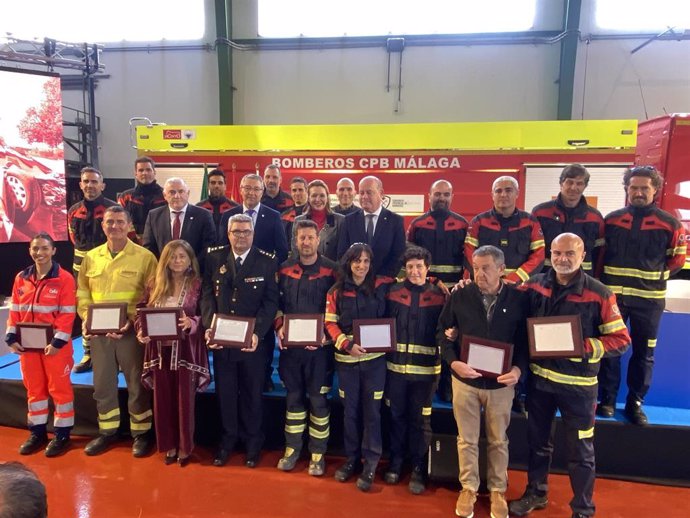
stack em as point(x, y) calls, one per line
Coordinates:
point(216, 172)
point(144, 159)
point(46, 236)
point(574, 171)
point(22, 494)
point(118, 209)
point(90, 169)
point(305, 223)
point(299, 179)
point(417, 252)
point(646, 171)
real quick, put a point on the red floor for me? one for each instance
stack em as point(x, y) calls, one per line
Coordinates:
point(115, 485)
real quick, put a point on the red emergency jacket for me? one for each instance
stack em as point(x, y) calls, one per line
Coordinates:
point(50, 300)
point(519, 237)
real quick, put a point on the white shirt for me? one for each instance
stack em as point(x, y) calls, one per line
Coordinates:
point(375, 218)
point(183, 210)
point(255, 215)
point(243, 256)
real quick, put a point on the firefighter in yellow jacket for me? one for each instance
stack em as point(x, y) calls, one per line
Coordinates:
point(117, 271)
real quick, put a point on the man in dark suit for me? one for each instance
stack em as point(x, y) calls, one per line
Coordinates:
point(240, 280)
point(377, 226)
point(269, 234)
point(179, 220)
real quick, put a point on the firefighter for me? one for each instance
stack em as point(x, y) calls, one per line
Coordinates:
point(114, 272)
point(44, 293)
point(569, 212)
point(568, 384)
point(414, 366)
point(217, 203)
point(298, 192)
point(443, 233)
point(345, 190)
point(304, 282)
point(274, 197)
point(84, 223)
point(644, 247)
point(515, 232)
point(362, 375)
point(145, 196)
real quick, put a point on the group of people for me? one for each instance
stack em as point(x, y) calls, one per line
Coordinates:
point(276, 254)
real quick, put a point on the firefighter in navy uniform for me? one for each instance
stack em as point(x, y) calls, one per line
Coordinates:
point(84, 224)
point(358, 294)
point(274, 197)
point(217, 203)
point(298, 192)
point(515, 232)
point(413, 367)
point(568, 384)
point(240, 280)
point(569, 212)
point(443, 233)
point(144, 197)
point(304, 282)
point(644, 247)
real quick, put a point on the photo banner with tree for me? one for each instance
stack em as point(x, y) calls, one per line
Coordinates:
point(32, 166)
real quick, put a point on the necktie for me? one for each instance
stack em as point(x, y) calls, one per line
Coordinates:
point(370, 228)
point(177, 225)
point(238, 263)
point(250, 213)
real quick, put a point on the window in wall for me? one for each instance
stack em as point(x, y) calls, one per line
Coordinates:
point(102, 22)
point(642, 15)
point(336, 18)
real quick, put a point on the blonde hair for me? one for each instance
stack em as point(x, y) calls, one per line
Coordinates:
point(162, 281)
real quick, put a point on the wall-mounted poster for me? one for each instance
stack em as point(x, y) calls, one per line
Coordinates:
point(32, 168)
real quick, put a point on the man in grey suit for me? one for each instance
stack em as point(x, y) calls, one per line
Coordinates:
point(179, 220)
point(377, 226)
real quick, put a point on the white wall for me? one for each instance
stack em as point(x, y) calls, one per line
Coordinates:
point(481, 83)
point(611, 82)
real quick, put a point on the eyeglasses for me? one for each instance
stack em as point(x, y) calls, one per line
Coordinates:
point(251, 189)
point(240, 233)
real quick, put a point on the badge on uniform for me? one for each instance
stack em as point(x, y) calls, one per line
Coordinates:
point(254, 279)
point(223, 270)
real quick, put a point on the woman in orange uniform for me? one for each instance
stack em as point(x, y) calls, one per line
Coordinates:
point(45, 293)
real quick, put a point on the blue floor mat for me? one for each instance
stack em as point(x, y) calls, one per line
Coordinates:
point(9, 370)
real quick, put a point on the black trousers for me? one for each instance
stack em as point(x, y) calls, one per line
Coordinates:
point(239, 385)
point(410, 405)
point(361, 387)
point(643, 323)
point(577, 414)
point(304, 374)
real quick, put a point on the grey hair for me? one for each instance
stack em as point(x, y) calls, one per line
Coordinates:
point(496, 253)
point(252, 176)
point(240, 218)
point(175, 179)
point(505, 179)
